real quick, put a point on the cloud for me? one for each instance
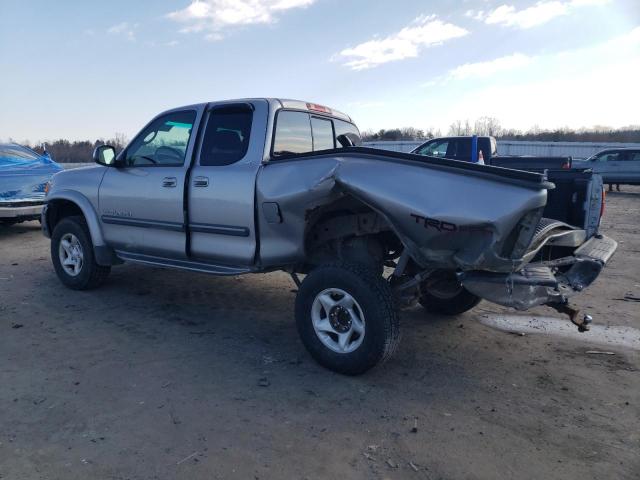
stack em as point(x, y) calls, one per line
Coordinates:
point(517, 61)
point(553, 88)
point(124, 29)
point(538, 14)
point(424, 32)
point(491, 67)
point(214, 16)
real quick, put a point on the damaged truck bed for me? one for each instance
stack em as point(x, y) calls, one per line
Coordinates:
point(265, 184)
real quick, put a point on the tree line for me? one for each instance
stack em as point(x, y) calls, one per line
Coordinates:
point(80, 151)
point(490, 126)
point(66, 151)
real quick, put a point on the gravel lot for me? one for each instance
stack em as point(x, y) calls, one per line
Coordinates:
point(163, 374)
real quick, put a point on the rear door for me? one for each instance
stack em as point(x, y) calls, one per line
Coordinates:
point(629, 161)
point(609, 164)
point(141, 204)
point(634, 167)
point(221, 191)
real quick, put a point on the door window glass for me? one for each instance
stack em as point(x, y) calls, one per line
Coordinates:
point(293, 134)
point(226, 138)
point(608, 157)
point(463, 149)
point(435, 149)
point(164, 142)
point(322, 134)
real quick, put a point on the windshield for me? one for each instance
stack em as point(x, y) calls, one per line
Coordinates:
point(17, 152)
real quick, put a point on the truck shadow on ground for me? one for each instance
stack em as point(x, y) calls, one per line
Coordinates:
point(248, 322)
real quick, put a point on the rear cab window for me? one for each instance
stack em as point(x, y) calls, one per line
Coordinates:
point(322, 132)
point(299, 132)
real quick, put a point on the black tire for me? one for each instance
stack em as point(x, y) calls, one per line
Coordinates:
point(91, 275)
point(381, 334)
point(454, 299)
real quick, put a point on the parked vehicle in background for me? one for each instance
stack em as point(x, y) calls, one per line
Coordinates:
point(24, 175)
point(616, 165)
point(460, 148)
point(258, 185)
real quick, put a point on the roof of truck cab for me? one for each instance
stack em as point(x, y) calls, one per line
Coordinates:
point(278, 103)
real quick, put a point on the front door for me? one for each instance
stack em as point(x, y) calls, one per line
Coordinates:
point(141, 203)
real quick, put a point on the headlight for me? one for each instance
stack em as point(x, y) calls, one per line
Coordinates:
point(47, 187)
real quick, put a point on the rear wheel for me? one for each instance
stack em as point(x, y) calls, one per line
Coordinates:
point(443, 293)
point(72, 255)
point(346, 318)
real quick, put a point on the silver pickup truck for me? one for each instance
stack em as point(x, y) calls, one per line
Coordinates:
point(258, 185)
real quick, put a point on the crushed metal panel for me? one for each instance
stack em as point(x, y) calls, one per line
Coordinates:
point(455, 219)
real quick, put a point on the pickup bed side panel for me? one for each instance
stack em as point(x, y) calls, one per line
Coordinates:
point(446, 216)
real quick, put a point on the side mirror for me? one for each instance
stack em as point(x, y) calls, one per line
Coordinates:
point(104, 155)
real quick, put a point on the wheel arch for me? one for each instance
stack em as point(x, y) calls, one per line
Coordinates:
point(348, 217)
point(68, 203)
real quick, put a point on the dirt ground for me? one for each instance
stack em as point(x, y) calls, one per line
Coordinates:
point(163, 375)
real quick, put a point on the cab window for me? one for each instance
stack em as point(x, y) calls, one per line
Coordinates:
point(322, 131)
point(226, 138)
point(299, 132)
point(163, 143)
point(293, 134)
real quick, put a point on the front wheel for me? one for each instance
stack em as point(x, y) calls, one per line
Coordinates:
point(346, 318)
point(443, 293)
point(72, 255)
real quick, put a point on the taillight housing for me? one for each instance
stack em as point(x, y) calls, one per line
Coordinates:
point(603, 201)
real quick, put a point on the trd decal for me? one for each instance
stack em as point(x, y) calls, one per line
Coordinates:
point(439, 225)
point(442, 226)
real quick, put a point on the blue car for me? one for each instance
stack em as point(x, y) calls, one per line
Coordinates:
point(24, 175)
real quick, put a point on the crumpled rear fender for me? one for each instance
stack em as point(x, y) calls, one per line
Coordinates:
point(445, 217)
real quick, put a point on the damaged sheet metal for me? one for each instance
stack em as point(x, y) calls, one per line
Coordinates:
point(538, 284)
point(451, 215)
point(24, 173)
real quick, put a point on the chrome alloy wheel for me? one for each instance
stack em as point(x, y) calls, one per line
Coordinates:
point(70, 254)
point(338, 320)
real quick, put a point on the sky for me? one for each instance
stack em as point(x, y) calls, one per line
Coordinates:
point(84, 70)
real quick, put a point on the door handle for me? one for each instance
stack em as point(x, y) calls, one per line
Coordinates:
point(201, 182)
point(169, 182)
